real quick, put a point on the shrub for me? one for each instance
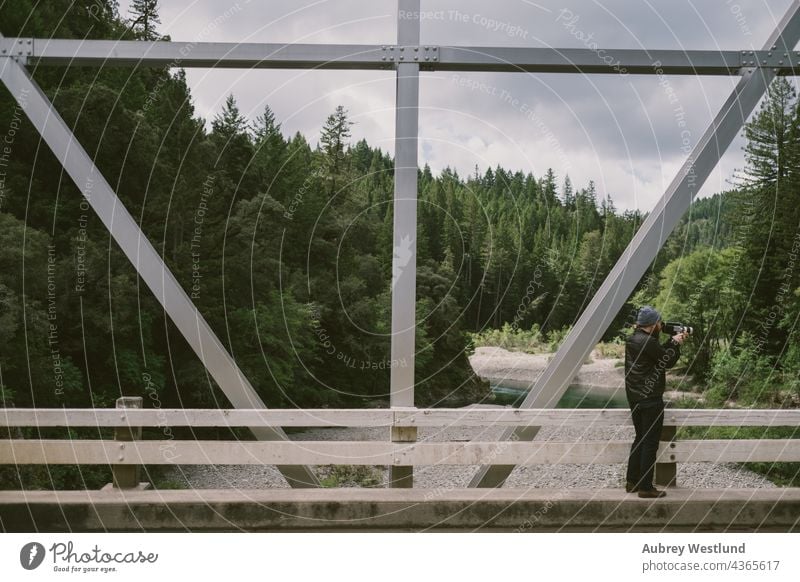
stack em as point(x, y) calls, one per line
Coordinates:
point(556, 337)
point(511, 338)
point(615, 349)
point(743, 375)
point(350, 476)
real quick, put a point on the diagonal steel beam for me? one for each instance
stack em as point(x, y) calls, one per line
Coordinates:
point(141, 253)
point(650, 237)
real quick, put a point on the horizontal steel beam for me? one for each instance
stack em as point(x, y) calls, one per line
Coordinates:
point(286, 453)
point(195, 54)
point(573, 60)
point(400, 417)
point(44, 51)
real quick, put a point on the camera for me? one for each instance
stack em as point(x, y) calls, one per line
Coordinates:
point(674, 328)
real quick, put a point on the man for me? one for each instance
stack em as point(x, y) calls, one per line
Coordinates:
point(646, 362)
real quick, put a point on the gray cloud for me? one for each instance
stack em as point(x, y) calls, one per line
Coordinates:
point(623, 132)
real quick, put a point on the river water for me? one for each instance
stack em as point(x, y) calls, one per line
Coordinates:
point(576, 396)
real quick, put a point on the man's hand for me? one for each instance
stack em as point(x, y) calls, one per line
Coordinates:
point(678, 338)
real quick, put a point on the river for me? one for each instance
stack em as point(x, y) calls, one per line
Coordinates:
point(576, 396)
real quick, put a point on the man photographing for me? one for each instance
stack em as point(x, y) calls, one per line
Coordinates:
point(646, 362)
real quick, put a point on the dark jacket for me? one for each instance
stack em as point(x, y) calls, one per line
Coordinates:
point(646, 362)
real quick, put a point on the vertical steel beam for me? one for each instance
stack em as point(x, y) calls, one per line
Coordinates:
point(404, 261)
point(141, 253)
point(649, 239)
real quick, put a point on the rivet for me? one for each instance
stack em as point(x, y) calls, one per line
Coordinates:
point(427, 48)
point(122, 446)
point(416, 49)
point(764, 62)
point(435, 48)
point(672, 457)
point(427, 58)
point(770, 54)
point(402, 57)
point(121, 458)
point(416, 58)
point(29, 42)
point(391, 48)
point(402, 48)
point(780, 62)
point(435, 58)
point(383, 58)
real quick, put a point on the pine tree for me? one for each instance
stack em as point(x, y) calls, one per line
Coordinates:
point(229, 122)
point(333, 142)
point(265, 127)
point(591, 195)
point(772, 150)
point(145, 18)
point(569, 194)
point(767, 207)
point(548, 188)
point(270, 153)
point(336, 133)
point(230, 133)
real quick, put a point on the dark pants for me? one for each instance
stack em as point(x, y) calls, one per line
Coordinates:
point(648, 418)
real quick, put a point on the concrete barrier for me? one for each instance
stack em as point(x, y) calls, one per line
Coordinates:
point(509, 510)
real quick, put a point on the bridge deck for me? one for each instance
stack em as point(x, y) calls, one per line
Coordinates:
point(775, 510)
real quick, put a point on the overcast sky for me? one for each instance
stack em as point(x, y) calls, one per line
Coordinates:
point(621, 132)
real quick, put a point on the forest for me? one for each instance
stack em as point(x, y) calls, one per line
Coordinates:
point(284, 243)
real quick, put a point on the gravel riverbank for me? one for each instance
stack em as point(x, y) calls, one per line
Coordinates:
point(499, 365)
point(694, 475)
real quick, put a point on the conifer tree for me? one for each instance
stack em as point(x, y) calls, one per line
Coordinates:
point(767, 206)
point(145, 18)
point(333, 141)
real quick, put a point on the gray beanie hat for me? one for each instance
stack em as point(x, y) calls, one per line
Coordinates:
point(647, 316)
